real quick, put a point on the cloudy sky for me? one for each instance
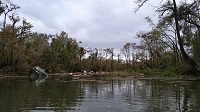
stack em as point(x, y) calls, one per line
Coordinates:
point(97, 23)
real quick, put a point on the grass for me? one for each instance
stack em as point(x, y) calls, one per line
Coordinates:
point(124, 73)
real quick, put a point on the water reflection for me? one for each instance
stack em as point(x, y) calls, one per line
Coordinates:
point(124, 95)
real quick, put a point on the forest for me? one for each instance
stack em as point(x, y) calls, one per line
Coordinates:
point(173, 44)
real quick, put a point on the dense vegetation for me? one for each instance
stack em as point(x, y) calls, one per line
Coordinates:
point(174, 40)
point(172, 44)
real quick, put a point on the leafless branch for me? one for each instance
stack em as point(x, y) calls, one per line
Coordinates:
point(141, 3)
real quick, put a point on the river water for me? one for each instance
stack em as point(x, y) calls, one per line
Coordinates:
point(115, 95)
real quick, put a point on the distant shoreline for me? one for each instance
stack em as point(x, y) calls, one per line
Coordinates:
point(106, 75)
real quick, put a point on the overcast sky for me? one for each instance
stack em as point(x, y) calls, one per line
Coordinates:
point(97, 23)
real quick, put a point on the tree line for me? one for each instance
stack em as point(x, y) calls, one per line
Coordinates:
point(172, 42)
point(22, 49)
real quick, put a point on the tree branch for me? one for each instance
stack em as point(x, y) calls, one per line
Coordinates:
point(142, 2)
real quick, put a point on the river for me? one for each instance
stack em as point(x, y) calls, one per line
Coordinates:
point(113, 95)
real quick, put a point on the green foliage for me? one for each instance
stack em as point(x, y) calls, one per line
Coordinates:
point(168, 72)
point(196, 47)
point(64, 53)
point(158, 54)
point(182, 68)
point(174, 38)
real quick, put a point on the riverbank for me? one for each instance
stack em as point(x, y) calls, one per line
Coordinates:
point(103, 76)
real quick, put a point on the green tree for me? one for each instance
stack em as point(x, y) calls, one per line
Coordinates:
point(64, 53)
point(173, 11)
point(12, 38)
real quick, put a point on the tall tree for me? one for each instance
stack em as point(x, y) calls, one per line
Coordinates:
point(12, 37)
point(171, 9)
point(126, 50)
point(64, 52)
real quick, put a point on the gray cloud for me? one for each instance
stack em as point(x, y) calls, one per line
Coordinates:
point(98, 23)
